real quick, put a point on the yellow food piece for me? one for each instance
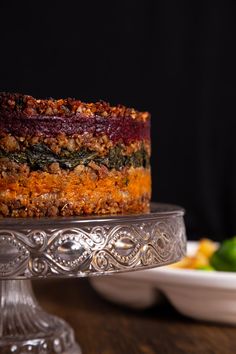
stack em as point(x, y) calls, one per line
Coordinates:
point(184, 263)
point(201, 258)
point(207, 247)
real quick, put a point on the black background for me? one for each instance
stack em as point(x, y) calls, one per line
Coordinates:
point(173, 58)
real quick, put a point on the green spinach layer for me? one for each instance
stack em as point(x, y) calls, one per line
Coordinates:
point(39, 156)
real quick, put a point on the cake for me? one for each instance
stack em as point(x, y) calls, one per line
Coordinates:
point(65, 157)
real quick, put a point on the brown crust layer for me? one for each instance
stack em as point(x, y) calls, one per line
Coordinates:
point(68, 107)
point(74, 143)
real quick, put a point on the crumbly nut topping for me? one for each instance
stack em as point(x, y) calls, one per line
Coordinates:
point(31, 106)
point(101, 144)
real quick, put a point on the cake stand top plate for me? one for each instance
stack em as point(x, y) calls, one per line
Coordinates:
point(85, 246)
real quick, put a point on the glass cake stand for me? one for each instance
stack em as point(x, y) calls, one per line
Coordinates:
point(74, 247)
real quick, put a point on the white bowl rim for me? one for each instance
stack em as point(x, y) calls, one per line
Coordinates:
point(186, 277)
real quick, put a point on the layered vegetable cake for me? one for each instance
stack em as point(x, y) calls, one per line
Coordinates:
point(65, 157)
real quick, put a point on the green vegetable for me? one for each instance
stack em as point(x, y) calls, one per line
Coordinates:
point(115, 158)
point(207, 268)
point(224, 258)
point(39, 156)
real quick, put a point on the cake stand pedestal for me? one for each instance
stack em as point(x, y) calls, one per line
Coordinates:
point(74, 247)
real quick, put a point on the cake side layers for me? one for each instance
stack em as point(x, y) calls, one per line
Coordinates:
point(85, 190)
point(114, 128)
point(22, 115)
point(63, 145)
point(40, 157)
point(30, 106)
point(64, 157)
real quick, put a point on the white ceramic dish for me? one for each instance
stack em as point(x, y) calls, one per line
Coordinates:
point(202, 295)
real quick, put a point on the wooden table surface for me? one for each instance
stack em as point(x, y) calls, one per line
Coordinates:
point(104, 328)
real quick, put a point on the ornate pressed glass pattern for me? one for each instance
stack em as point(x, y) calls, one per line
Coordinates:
point(74, 247)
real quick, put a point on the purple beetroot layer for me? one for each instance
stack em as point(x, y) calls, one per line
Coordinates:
point(116, 128)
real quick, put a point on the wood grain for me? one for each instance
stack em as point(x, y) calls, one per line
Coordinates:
point(104, 328)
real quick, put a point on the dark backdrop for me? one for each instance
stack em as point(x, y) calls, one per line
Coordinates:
point(172, 58)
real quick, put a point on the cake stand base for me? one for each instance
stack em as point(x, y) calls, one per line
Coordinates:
point(32, 248)
point(25, 328)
